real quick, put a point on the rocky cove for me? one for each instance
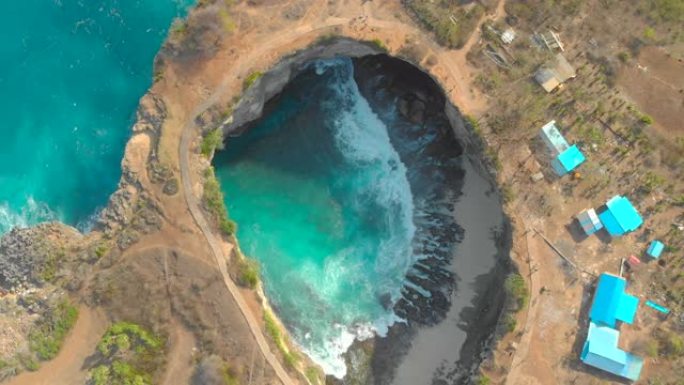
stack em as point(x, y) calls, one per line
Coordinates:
point(452, 297)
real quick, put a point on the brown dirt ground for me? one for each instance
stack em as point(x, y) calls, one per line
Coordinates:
point(655, 82)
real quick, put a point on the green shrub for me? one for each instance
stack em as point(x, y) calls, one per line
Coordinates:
point(649, 33)
point(507, 193)
point(674, 345)
point(179, 28)
point(47, 336)
point(517, 290)
point(273, 331)
point(251, 79)
point(129, 354)
point(623, 56)
point(101, 250)
point(312, 375)
point(29, 362)
point(213, 201)
point(652, 348)
point(379, 44)
point(483, 380)
point(211, 142)
point(510, 322)
point(230, 377)
point(248, 273)
point(652, 181)
point(48, 270)
point(646, 119)
point(666, 10)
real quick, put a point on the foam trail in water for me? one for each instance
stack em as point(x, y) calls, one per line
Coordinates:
point(31, 213)
point(382, 195)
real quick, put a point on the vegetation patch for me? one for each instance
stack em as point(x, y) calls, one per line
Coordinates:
point(248, 272)
point(213, 202)
point(129, 354)
point(47, 336)
point(516, 290)
point(451, 22)
point(211, 142)
point(48, 271)
point(251, 79)
point(273, 330)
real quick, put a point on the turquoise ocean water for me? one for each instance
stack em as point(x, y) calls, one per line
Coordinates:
point(71, 75)
point(322, 200)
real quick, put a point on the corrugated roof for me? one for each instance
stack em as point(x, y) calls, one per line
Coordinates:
point(547, 79)
point(601, 351)
point(563, 68)
point(571, 158)
point(554, 73)
point(620, 217)
point(555, 141)
point(611, 303)
point(655, 249)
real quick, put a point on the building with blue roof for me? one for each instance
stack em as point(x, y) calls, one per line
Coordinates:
point(620, 216)
point(601, 351)
point(612, 303)
point(655, 249)
point(568, 160)
point(565, 157)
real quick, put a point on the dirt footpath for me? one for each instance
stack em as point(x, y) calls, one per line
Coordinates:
point(68, 367)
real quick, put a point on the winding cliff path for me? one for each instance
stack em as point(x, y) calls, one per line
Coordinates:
point(198, 216)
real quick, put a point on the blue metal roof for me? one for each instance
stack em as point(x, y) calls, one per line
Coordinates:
point(571, 158)
point(611, 303)
point(620, 217)
point(601, 351)
point(655, 249)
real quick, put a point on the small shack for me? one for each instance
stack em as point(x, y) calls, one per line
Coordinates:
point(620, 216)
point(565, 157)
point(612, 303)
point(601, 351)
point(655, 249)
point(589, 221)
point(554, 73)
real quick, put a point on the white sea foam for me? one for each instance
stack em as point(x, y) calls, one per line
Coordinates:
point(363, 140)
point(30, 213)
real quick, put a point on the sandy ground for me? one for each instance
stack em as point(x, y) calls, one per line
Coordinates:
point(69, 367)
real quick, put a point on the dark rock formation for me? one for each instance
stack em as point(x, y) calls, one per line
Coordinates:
point(29, 257)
